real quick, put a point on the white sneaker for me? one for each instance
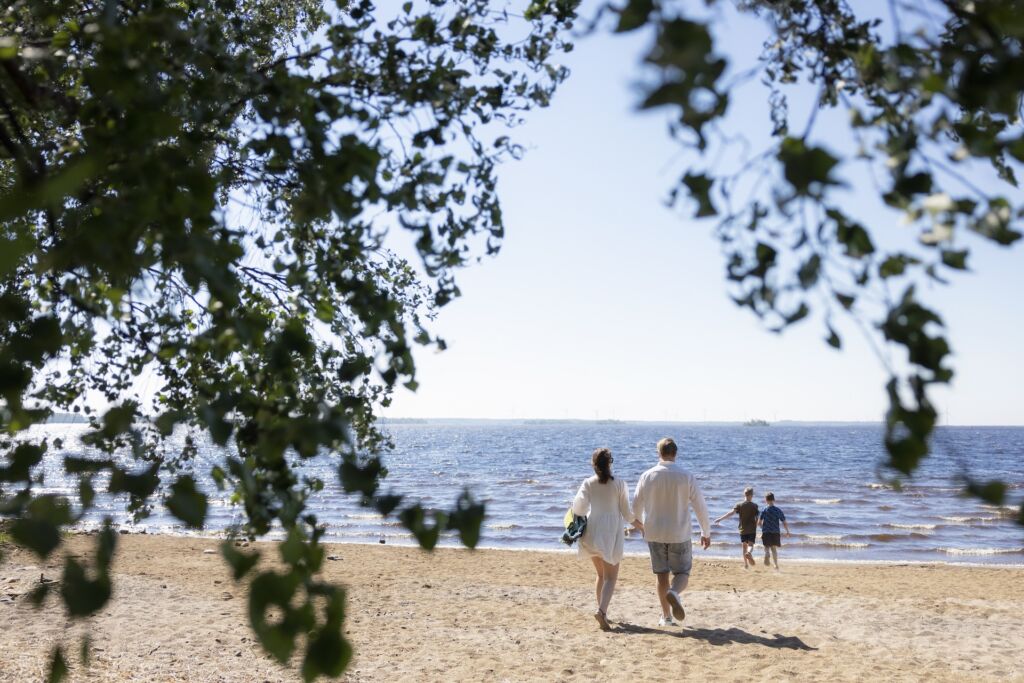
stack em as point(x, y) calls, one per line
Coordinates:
point(677, 605)
point(666, 621)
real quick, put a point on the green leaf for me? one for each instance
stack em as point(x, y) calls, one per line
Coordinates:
point(11, 251)
point(60, 183)
point(634, 15)
point(186, 502)
point(993, 492)
point(267, 590)
point(855, 238)
point(896, 265)
point(955, 259)
point(239, 561)
point(328, 654)
point(58, 666)
point(166, 421)
point(467, 518)
point(39, 528)
point(365, 478)
point(699, 187)
point(809, 271)
point(414, 519)
point(140, 485)
point(83, 596)
point(807, 169)
point(21, 461)
point(833, 339)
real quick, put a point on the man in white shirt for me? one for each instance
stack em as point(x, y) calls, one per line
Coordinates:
point(663, 498)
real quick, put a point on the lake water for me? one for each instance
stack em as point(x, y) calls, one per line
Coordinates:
point(829, 481)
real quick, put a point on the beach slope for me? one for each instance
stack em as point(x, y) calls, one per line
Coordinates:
point(504, 615)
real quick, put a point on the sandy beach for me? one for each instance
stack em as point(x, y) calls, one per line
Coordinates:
point(508, 615)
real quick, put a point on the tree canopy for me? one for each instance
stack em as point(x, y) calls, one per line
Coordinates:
point(199, 192)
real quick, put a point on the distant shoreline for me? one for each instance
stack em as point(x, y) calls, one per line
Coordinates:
point(685, 423)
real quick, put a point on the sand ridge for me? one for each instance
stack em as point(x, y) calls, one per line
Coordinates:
point(496, 615)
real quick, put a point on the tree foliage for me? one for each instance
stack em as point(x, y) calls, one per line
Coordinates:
point(195, 195)
point(924, 110)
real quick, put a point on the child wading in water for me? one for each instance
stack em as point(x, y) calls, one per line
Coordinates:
point(771, 534)
point(747, 510)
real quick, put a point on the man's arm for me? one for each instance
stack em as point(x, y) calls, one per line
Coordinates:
point(638, 500)
point(701, 508)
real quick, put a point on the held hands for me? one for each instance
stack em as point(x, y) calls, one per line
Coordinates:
point(705, 542)
point(638, 526)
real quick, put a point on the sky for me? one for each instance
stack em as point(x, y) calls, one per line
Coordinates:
point(605, 304)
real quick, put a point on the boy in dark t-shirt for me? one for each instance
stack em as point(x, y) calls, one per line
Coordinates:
point(747, 510)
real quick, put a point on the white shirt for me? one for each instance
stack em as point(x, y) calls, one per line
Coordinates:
point(662, 501)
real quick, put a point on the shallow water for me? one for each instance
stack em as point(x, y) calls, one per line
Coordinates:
point(829, 480)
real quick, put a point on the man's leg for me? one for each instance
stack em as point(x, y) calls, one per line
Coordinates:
point(746, 549)
point(775, 555)
point(681, 560)
point(666, 609)
point(680, 582)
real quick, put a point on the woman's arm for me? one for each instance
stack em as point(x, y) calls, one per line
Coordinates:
point(624, 509)
point(581, 503)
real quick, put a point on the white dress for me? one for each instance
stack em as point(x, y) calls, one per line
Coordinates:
point(607, 509)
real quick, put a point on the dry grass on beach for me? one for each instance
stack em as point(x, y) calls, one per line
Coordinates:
point(505, 615)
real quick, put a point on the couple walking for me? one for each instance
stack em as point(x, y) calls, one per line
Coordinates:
point(661, 511)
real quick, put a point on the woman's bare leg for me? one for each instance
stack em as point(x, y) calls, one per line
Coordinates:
point(599, 565)
point(611, 575)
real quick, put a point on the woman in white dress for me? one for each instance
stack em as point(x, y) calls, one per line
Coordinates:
point(605, 502)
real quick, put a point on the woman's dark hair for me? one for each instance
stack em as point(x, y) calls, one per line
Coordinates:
point(602, 460)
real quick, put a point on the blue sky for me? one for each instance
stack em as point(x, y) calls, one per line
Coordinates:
point(603, 303)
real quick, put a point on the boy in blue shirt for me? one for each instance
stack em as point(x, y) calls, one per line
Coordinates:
point(771, 534)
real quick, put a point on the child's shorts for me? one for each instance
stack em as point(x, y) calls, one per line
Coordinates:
point(769, 539)
point(748, 538)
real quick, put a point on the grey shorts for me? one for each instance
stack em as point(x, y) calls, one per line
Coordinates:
point(671, 557)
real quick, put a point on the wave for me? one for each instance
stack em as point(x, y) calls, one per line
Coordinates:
point(969, 520)
point(923, 527)
point(503, 527)
point(827, 501)
point(847, 545)
point(981, 551)
point(824, 537)
point(361, 522)
point(878, 486)
point(887, 538)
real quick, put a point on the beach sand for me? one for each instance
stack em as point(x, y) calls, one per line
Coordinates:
point(496, 615)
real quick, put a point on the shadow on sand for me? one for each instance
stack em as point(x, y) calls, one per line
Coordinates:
point(721, 636)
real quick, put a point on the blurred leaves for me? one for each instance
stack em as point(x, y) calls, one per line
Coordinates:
point(195, 201)
point(931, 92)
point(186, 502)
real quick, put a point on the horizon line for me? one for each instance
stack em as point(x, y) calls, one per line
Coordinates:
point(385, 418)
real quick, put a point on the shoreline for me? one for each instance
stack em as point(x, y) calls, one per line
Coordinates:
point(220, 536)
point(495, 615)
